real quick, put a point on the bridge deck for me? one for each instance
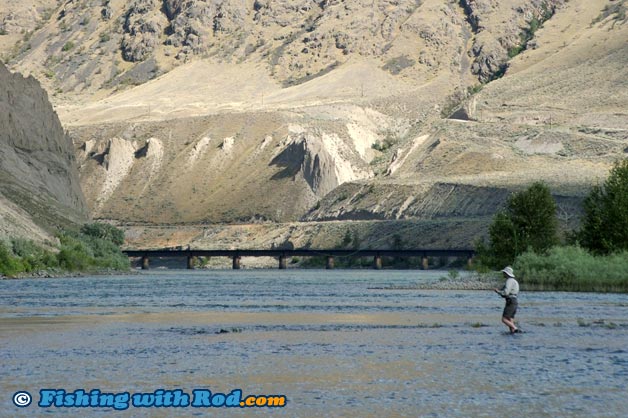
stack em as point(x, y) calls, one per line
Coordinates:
point(301, 252)
point(282, 255)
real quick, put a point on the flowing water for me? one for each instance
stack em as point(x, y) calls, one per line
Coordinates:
point(335, 343)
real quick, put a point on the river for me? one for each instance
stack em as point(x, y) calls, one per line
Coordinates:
point(335, 343)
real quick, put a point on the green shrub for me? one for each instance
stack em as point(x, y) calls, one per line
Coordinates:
point(515, 50)
point(104, 231)
point(384, 144)
point(95, 247)
point(74, 255)
point(68, 45)
point(9, 264)
point(24, 256)
point(535, 24)
point(32, 256)
point(471, 90)
point(573, 269)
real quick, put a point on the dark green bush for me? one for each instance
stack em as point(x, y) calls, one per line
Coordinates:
point(605, 224)
point(527, 222)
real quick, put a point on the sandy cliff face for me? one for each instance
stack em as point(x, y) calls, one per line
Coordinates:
point(221, 168)
point(39, 186)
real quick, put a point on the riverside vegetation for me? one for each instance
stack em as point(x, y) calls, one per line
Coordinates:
point(93, 248)
point(593, 258)
point(573, 268)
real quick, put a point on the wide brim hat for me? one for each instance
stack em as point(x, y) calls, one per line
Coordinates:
point(509, 272)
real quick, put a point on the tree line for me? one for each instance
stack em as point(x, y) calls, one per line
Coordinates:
point(526, 233)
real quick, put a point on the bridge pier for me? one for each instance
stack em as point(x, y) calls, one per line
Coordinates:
point(145, 265)
point(425, 263)
point(470, 261)
point(282, 262)
point(377, 262)
point(330, 263)
point(191, 262)
point(236, 262)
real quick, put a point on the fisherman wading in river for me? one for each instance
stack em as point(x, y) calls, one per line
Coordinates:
point(509, 292)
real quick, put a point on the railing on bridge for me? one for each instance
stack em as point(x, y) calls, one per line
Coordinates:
point(283, 255)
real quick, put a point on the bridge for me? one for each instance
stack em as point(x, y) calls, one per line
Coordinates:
point(283, 254)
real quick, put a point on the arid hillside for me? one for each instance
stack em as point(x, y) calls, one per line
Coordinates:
point(322, 119)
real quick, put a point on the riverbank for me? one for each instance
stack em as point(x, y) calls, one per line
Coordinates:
point(47, 274)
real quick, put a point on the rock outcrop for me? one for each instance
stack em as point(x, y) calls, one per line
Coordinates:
point(39, 182)
point(143, 26)
point(502, 29)
point(323, 160)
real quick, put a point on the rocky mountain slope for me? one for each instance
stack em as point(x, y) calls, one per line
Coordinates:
point(88, 45)
point(39, 185)
point(331, 117)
